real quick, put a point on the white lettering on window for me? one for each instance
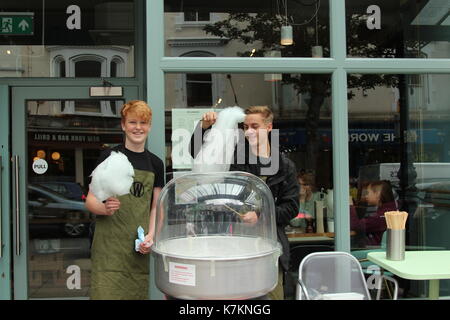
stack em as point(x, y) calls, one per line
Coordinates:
point(74, 20)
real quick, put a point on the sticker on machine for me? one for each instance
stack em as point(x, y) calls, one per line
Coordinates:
point(183, 274)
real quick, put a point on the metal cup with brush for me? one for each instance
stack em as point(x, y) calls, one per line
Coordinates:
point(395, 246)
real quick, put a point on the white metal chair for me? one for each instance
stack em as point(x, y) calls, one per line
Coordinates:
point(334, 276)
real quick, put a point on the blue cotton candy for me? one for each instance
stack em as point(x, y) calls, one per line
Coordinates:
point(140, 239)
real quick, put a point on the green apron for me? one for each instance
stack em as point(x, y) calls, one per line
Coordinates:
point(118, 271)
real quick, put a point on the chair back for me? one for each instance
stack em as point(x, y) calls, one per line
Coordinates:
point(331, 276)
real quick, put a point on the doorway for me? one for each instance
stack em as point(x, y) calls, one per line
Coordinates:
point(57, 135)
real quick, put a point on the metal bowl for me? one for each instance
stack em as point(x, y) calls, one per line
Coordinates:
point(216, 267)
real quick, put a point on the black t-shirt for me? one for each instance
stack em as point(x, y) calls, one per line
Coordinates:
point(146, 161)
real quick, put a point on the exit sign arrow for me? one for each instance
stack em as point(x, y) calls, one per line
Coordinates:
point(24, 25)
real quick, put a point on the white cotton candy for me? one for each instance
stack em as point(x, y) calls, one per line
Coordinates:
point(113, 177)
point(217, 151)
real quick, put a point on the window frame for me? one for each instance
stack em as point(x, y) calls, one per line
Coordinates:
point(338, 65)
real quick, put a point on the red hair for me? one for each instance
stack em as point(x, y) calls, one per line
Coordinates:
point(137, 108)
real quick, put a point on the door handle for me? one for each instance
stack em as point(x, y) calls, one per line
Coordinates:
point(1, 193)
point(17, 201)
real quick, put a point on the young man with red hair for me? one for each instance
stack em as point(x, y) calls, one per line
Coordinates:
point(118, 272)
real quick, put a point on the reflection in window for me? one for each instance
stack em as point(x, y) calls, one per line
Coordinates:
point(301, 106)
point(103, 108)
point(113, 69)
point(251, 28)
point(196, 16)
point(117, 67)
point(398, 136)
point(398, 29)
point(88, 69)
point(91, 106)
point(107, 30)
point(62, 69)
point(199, 89)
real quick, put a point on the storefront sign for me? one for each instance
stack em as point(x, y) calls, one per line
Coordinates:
point(297, 136)
point(54, 137)
point(17, 23)
point(374, 137)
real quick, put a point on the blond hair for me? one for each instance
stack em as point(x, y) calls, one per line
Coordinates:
point(264, 111)
point(136, 108)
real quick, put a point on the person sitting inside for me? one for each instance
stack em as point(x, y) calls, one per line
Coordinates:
point(307, 196)
point(372, 224)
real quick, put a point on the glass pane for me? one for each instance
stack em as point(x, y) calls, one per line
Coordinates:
point(398, 29)
point(199, 94)
point(190, 16)
point(92, 69)
point(399, 159)
point(62, 69)
point(199, 77)
point(45, 33)
point(302, 121)
point(247, 28)
point(203, 16)
point(88, 106)
point(60, 228)
point(113, 69)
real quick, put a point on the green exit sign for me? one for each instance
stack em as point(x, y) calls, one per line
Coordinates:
point(16, 23)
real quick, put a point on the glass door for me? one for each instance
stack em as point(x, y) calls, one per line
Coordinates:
point(57, 135)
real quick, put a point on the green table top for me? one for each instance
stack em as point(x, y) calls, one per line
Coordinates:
point(418, 265)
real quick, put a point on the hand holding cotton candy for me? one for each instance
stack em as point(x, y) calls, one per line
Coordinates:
point(113, 177)
point(217, 150)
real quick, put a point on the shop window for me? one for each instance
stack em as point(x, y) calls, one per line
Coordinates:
point(304, 133)
point(397, 29)
point(251, 28)
point(398, 159)
point(107, 29)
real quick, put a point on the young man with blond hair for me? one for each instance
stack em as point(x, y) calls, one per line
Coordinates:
point(260, 155)
point(118, 271)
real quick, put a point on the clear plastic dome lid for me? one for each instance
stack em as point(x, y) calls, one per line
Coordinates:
point(219, 215)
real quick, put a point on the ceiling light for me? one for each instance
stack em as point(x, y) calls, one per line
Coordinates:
point(286, 36)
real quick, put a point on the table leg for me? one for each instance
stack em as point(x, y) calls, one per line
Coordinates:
point(433, 290)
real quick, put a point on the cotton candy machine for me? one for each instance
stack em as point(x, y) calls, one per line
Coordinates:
point(206, 246)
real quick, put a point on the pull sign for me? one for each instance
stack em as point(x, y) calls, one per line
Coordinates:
point(40, 166)
point(74, 20)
